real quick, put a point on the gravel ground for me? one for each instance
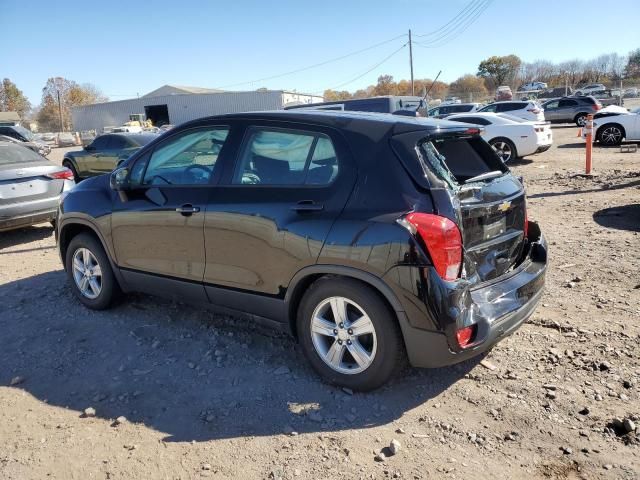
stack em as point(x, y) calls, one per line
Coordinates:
point(203, 394)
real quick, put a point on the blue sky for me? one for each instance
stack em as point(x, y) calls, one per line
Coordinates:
point(125, 48)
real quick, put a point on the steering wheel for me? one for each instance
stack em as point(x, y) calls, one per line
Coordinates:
point(202, 177)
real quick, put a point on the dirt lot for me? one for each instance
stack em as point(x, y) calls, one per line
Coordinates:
point(206, 395)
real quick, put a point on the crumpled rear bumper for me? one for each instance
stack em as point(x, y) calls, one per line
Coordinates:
point(497, 308)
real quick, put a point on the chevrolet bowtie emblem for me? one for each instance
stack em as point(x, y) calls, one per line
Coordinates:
point(504, 206)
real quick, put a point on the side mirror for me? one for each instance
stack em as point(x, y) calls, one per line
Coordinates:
point(119, 179)
point(89, 148)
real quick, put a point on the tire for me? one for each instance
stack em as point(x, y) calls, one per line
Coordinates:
point(580, 119)
point(70, 166)
point(610, 135)
point(109, 290)
point(383, 348)
point(505, 149)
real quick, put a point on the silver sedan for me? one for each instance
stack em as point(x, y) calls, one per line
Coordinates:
point(30, 187)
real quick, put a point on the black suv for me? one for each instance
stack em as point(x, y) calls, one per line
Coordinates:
point(372, 238)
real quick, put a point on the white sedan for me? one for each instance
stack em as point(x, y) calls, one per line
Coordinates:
point(612, 129)
point(510, 136)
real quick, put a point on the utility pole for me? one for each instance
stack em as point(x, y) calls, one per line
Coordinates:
point(60, 110)
point(413, 92)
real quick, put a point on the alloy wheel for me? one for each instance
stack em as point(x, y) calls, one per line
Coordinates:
point(611, 136)
point(504, 151)
point(87, 273)
point(581, 120)
point(343, 335)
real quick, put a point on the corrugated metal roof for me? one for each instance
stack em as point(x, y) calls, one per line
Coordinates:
point(179, 90)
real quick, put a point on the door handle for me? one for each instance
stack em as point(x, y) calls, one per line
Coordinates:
point(187, 210)
point(307, 206)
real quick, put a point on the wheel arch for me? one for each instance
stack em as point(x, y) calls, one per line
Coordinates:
point(610, 124)
point(305, 277)
point(72, 228)
point(70, 160)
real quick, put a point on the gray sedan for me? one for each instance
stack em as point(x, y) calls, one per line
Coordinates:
point(30, 187)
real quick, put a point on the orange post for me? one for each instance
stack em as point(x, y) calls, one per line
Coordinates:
point(589, 139)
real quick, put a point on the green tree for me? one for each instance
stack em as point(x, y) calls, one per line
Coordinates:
point(70, 95)
point(499, 70)
point(632, 69)
point(12, 99)
point(468, 86)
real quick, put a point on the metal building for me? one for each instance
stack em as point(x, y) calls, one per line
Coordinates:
point(181, 106)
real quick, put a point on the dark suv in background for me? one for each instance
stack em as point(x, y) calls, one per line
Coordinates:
point(570, 109)
point(372, 238)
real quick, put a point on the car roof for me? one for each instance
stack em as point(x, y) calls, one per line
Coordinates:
point(345, 120)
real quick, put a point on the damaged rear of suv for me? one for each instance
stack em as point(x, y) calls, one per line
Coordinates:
point(372, 238)
point(486, 260)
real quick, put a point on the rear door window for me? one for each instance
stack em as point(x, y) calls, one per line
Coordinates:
point(567, 103)
point(286, 157)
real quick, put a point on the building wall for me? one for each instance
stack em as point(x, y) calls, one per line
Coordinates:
point(181, 108)
point(298, 98)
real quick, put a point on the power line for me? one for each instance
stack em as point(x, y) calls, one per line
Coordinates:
point(458, 29)
point(449, 22)
point(316, 64)
point(368, 70)
point(455, 29)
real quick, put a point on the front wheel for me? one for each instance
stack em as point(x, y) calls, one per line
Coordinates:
point(349, 335)
point(610, 135)
point(505, 149)
point(89, 271)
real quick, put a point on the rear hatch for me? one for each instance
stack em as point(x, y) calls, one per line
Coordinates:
point(471, 186)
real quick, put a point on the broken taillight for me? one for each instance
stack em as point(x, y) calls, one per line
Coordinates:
point(443, 241)
point(465, 335)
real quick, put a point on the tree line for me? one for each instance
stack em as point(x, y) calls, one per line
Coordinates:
point(510, 70)
point(51, 110)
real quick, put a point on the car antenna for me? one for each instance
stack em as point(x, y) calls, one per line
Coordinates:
point(424, 98)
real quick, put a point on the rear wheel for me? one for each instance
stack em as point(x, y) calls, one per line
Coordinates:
point(70, 166)
point(505, 149)
point(610, 135)
point(581, 119)
point(89, 271)
point(349, 334)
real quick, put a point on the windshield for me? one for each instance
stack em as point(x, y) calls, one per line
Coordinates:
point(12, 153)
point(24, 132)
